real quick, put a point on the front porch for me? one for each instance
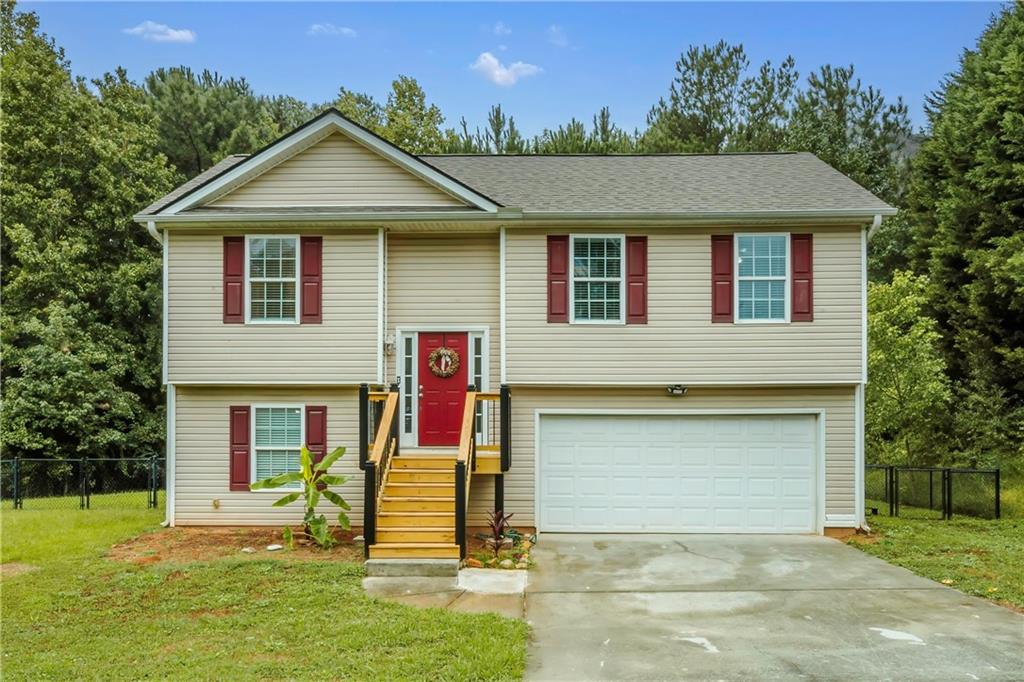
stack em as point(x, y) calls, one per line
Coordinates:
point(416, 500)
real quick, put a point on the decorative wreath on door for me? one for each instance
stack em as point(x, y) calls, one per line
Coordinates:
point(443, 362)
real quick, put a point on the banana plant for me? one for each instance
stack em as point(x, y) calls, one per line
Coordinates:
point(314, 479)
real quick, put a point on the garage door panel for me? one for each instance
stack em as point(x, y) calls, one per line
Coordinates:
point(678, 473)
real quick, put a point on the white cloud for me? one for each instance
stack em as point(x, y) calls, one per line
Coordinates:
point(331, 30)
point(500, 29)
point(502, 48)
point(493, 70)
point(556, 36)
point(161, 33)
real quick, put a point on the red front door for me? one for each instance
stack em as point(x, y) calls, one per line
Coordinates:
point(442, 398)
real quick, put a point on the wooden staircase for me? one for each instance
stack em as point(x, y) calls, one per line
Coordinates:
point(416, 515)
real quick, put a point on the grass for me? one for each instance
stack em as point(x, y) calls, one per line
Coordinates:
point(82, 615)
point(977, 556)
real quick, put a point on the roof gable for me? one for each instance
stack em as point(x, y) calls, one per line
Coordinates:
point(330, 161)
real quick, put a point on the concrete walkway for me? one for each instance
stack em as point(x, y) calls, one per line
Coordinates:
point(746, 607)
point(474, 590)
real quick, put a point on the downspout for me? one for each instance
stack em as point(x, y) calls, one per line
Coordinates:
point(153, 232)
point(874, 226)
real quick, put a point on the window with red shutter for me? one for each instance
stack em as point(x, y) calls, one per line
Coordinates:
point(558, 278)
point(801, 250)
point(239, 450)
point(636, 280)
point(234, 280)
point(312, 280)
point(721, 277)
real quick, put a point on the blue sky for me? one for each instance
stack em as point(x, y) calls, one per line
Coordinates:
point(544, 63)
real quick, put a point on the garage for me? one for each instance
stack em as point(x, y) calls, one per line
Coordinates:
point(748, 473)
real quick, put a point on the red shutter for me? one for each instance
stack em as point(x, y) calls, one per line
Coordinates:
point(636, 280)
point(312, 280)
point(234, 280)
point(558, 278)
point(801, 249)
point(316, 431)
point(239, 451)
point(722, 259)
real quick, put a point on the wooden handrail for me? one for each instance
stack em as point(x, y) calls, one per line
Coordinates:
point(468, 433)
point(380, 439)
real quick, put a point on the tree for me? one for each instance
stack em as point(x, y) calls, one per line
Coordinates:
point(907, 396)
point(81, 285)
point(965, 203)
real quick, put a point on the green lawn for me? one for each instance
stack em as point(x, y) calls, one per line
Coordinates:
point(977, 556)
point(82, 615)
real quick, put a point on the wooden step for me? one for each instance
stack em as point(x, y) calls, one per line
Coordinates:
point(444, 535)
point(421, 476)
point(414, 550)
point(408, 519)
point(398, 489)
point(420, 462)
point(421, 504)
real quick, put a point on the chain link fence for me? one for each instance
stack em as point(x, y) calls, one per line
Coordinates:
point(88, 483)
point(932, 492)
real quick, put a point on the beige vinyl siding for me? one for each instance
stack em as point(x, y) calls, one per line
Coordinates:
point(201, 348)
point(336, 171)
point(520, 481)
point(444, 281)
point(680, 344)
point(201, 455)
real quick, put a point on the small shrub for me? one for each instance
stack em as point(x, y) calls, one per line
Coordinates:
point(314, 479)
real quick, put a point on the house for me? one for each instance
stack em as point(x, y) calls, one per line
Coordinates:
point(648, 343)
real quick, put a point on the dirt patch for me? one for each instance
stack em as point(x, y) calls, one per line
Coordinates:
point(13, 568)
point(186, 545)
point(863, 539)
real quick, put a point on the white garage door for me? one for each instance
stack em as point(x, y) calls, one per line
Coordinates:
point(683, 474)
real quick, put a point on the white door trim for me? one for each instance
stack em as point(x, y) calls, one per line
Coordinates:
point(820, 413)
point(401, 333)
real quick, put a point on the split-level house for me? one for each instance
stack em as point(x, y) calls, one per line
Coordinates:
point(620, 343)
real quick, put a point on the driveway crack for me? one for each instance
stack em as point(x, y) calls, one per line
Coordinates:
point(702, 556)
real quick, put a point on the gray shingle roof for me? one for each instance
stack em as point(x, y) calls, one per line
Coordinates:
point(698, 183)
point(657, 183)
point(210, 173)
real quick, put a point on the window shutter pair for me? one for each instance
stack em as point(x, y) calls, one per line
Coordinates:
point(636, 279)
point(240, 446)
point(801, 248)
point(310, 280)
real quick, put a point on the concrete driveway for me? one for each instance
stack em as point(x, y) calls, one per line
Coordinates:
point(747, 607)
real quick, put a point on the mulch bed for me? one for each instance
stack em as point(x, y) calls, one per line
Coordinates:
point(186, 545)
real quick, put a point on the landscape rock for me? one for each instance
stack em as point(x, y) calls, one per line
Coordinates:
point(522, 564)
point(274, 548)
point(474, 563)
point(506, 563)
point(248, 550)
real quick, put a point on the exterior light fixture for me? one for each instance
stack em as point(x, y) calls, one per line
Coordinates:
point(676, 389)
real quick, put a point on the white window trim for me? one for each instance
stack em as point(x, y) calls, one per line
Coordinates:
point(298, 278)
point(736, 277)
point(622, 279)
point(252, 439)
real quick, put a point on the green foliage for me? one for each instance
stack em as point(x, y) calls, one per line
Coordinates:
point(314, 480)
point(81, 286)
point(966, 205)
point(908, 394)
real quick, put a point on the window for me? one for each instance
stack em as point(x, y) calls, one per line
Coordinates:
point(277, 440)
point(762, 278)
point(477, 372)
point(408, 363)
point(272, 279)
point(597, 283)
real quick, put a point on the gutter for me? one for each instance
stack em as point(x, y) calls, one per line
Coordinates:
point(512, 216)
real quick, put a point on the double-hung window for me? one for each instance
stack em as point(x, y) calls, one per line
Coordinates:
point(277, 440)
point(597, 279)
point(762, 279)
point(272, 279)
